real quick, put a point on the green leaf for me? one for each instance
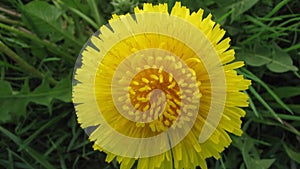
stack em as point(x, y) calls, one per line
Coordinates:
point(78, 4)
point(259, 57)
point(261, 164)
point(237, 7)
point(42, 95)
point(240, 7)
point(44, 19)
point(282, 61)
point(283, 92)
point(251, 154)
point(287, 91)
point(292, 154)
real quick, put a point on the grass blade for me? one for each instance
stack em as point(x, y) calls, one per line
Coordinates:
point(265, 104)
point(269, 90)
point(34, 154)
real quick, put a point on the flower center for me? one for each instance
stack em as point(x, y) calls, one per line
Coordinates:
point(157, 91)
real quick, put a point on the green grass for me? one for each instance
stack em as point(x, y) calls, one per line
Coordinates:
point(39, 44)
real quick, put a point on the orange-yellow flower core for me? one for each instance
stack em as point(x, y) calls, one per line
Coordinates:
point(145, 88)
point(156, 96)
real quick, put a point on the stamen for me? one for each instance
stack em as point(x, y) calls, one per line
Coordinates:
point(145, 88)
point(145, 80)
point(161, 78)
point(153, 76)
point(136, 83)
point(146, 107)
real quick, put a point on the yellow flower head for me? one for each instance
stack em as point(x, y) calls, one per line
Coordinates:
point(160, 89)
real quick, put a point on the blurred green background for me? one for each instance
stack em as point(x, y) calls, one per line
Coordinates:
point(39, 44)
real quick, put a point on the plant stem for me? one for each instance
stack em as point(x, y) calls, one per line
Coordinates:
point(10, 21)
point(52, 47)
point(94, 9)
point(5, 49)
point(13, 13)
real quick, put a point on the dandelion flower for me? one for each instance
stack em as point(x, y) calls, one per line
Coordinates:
point(159, 89)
